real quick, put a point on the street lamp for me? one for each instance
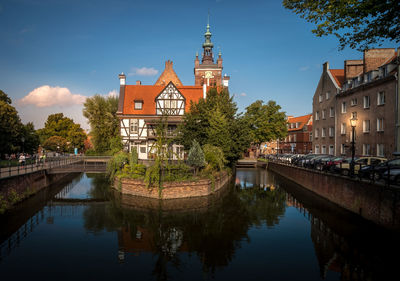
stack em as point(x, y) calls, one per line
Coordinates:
point(353, 123)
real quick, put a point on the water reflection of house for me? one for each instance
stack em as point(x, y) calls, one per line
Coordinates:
point(256, 177)
point(142, 240)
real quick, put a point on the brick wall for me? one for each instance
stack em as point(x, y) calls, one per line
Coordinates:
point(374, 202)
point(172, 190)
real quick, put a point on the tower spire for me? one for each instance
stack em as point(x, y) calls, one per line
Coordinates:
point(208, 45)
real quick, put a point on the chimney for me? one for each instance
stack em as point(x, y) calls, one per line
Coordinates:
point(168, 64)
point(138, 82)
point(225, 81)
point(326, 67)
point(122, 79)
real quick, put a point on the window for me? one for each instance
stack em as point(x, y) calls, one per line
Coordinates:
point(331, 150)
point(343, 129)
point(323, 132)
point(381, 98)
point(321, 98)
point(384, 71)
point(133, 126)
point(323, 114)
point(323, 151)
point(317, 115)
point(331, 131)
point(379, 125)
point(297, 124)
point(316, 149)
point(138, 104)
point(354, 115)
point(316, 133)
point(343, 149)
point(353, 102)
point(366, 149)
point(366, 126)
point(310, 136)
point(294, 137)
point(344, 108)
point(366, 102)
point(380, 150)
point(328, 95)
point(142, 149)
point(331, 112)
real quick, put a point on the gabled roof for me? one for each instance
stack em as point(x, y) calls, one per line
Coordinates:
point(168, 75)
point(148, 94)
point(303, 120)
point(338, 75)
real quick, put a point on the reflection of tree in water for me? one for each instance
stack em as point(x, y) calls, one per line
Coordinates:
point(213, 234)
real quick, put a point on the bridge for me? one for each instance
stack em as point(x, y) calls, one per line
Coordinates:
point(58, 165)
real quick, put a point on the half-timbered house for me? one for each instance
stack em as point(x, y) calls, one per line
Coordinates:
point(142, 106)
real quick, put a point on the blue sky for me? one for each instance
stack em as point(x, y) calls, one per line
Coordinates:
point(80, 47)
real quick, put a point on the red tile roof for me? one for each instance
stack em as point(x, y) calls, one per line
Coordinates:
point(303, 120)
point(338, 75)
point(148, 94)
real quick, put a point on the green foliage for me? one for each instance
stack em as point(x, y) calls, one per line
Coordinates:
point(4, 97)
point(104, 123)
point(152, 177)
point(356, 23)
point(266, 121)
point(214, 157)
point(133, 157)
point(115, 144)
point(196, 156)
point(31, 138)
point(64, 127)
point(215, 121)
point(13, 197)
point(55, 143)
point(10, 126)
point(3, 205)
point(179, 172)
point(117, 163)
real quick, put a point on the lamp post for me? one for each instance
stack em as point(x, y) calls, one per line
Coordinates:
point(353, 123)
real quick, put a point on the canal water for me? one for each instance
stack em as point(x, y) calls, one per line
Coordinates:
point(260, 227)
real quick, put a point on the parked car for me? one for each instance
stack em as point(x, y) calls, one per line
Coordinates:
point(359, 163)
point(325, 163)
point(376, 172)
point(315, 161)
point(393, 177)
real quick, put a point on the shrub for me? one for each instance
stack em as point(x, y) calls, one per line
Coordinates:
point(134, 158)
point(13, 197)
point(196, 156)
point(179, 172)
point(117, 163)
point(214, 157)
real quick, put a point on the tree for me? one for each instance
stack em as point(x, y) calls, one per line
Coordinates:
point(214, 156)
point(62, 126)
point(55, 143)
point(31, 138)
point(356, 23)
point(266, 121)
point(104, 124)
point(10, 126)
point(196, 156)
point(215, 121)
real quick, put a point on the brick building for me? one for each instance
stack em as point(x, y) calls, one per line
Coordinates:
point(368, 90)
point(299, 138)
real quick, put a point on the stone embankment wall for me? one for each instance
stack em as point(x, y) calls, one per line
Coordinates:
point(173, 190)
point(375, 202)
point(17, 188)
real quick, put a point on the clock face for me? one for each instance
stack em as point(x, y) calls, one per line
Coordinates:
point(209, 74)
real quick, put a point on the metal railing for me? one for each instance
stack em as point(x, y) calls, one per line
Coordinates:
point(343, 169)
point(49, 163)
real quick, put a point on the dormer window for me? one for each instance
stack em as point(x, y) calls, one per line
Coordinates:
point(138, 104)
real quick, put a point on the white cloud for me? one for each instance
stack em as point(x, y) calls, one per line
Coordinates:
point(243, 94)
point(304, 68)
point(46, 96)
point(144, 71)
point(113, 93)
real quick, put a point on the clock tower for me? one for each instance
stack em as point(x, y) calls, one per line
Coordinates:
point(209, 72)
